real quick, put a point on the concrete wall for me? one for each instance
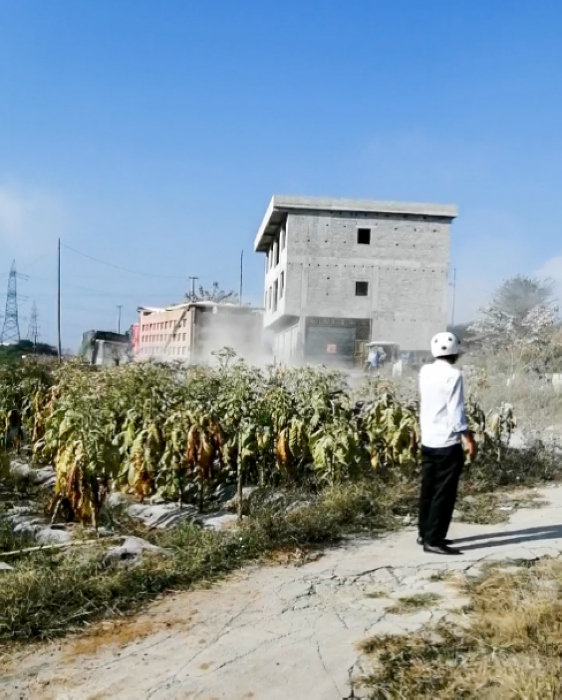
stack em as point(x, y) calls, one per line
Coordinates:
point(406, 266)
point(110, 354)
point(286, 345)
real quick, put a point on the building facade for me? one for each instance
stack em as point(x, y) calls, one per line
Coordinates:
point(105, 348)
point(191, 332)
point(340, 273)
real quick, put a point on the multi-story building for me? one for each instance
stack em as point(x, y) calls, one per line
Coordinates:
point(341, 272)
point(191, 331)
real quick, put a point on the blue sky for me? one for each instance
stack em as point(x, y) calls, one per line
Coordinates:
point(152, 134)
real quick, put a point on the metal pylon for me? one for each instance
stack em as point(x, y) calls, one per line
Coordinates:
point(11, 328)
point(33, 330)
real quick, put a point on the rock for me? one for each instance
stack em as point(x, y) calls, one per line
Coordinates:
point(30, 528)
point(116, 499)
point(20, 470)
point(5, 567)
point(163, 515)
point(224, 492)
point(17, 510)
point(131, 549)
point(45, 477)
point(247, 494)
point(220, 522)
point(26, 523)
point(51, 535)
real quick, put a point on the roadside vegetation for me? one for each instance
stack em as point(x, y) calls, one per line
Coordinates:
point(507, 647)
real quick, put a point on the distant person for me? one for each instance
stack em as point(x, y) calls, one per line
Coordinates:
point(374, 359)
point(382, 356)
point(444, 430)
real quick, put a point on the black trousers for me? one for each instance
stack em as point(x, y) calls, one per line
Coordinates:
point(441, 470)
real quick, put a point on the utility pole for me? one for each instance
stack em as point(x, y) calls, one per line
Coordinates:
point(454, 286)
point(119, 306)
point(193, 280)
point(59, 343)
point(241, 276)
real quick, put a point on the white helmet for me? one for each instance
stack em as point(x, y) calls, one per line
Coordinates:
point(444, 344)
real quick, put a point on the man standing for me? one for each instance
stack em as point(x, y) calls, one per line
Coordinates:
point(444, 430)
point(373, 360)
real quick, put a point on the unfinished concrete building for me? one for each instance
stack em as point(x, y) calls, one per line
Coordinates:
point(340, 273)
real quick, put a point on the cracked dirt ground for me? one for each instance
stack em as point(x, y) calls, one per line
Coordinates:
point(278, 632)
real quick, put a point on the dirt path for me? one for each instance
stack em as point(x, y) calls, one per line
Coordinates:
point(277, 632)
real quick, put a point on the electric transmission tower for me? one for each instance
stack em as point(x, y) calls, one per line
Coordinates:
point(11, 328)
point(33, 330)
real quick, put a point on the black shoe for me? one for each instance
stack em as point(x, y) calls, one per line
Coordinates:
point(447, 542)
point(440, 549)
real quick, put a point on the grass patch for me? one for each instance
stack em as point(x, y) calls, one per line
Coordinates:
point(482, 509)
point(51, 593)
point(412, 603)
point(526, 500)
point(440, 576)
point(494, 508)
point(510, 650)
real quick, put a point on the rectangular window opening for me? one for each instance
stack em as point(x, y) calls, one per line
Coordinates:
point(364, 236)
point(275, 295)
point(361, 289)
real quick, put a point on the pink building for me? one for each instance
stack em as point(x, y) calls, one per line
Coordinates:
point(192, 331)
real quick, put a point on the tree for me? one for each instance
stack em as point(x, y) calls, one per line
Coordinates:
point(214, 294)
point(520, 295)
point(519, 321)
point(25, 348)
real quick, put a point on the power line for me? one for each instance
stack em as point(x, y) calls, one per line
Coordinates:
point(123, 269)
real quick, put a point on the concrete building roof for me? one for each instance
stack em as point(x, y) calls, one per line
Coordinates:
point(200, 305)
point(281, 205)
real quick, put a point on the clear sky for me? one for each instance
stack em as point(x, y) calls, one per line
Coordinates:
point(152, 135)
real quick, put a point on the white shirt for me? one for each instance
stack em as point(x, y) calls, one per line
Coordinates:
point(442, 415)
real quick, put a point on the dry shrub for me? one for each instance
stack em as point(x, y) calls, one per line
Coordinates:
point(510, 648)
point(535, 401)
point(413, 603)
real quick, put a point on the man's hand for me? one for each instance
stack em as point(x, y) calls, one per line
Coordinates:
point(470, 446)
